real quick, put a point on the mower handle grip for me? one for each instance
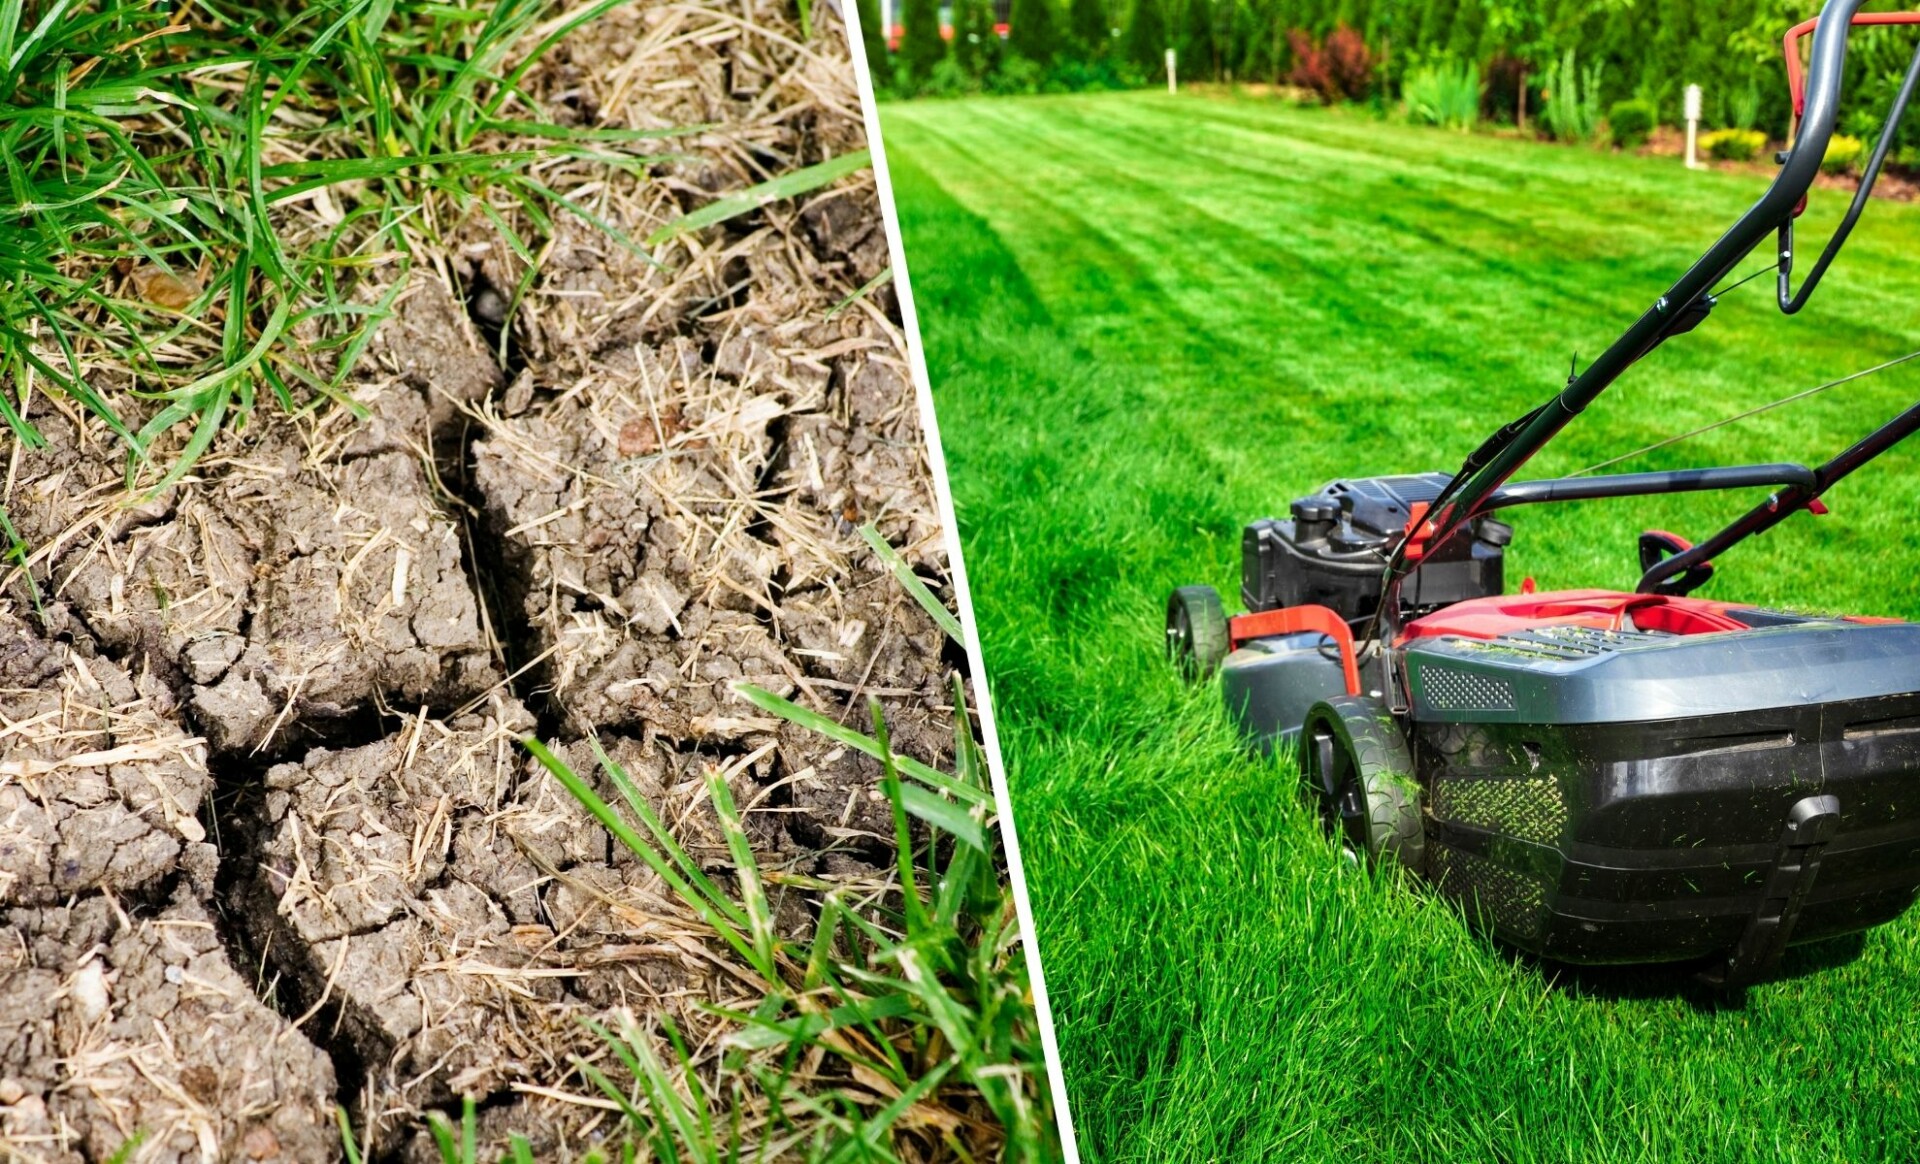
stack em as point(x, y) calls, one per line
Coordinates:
point(1791, 301)
point(1790, 44)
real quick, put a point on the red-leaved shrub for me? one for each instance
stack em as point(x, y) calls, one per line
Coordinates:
point(1341, 70)
point(1309, 66)
point(1348, 62)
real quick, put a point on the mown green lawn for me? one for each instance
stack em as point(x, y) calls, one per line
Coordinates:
point(1151, 319)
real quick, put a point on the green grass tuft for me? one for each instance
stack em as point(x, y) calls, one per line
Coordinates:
point(198, 201)
point(924, 998)
point(918, 996)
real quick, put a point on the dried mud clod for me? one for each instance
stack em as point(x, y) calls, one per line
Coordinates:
point(113, 1024)
point(682, 524)
point(459, 914)
point(99, 786)
point(120, 1010)
point(302, 573)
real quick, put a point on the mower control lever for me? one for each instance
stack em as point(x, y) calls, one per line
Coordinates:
point(1656, 546)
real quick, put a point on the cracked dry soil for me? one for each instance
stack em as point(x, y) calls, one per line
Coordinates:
point(268, 842)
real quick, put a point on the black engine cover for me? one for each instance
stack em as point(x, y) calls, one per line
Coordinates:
point(1333, 551)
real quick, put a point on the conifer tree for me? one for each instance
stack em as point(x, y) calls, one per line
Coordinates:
point(1088, 22)
point(920, 45)
point(1197, 47)
point(1146, 38)
point(1032, 31)
point(873, 38)
point(976, 46)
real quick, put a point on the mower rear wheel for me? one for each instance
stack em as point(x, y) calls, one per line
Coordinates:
point(1356, 765)
point(1196, 631)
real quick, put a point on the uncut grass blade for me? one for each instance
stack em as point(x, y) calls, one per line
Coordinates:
point(820, 957)
point(953, 1019)
point(890, 787)
point(867, 288)
point(769, 1010)
point(876, 1128)
point(766, 193)
point(16, 552)
point(707, 912)
point(699, 1106)
point(860, 742)
point(968, 865)
point(460, 1150)
point(125, 1152)
point(695, 876)
point(618, 1045)
point(315, 173)
point(944, 815)
point(753, 894)
point(348, 1144)
point(761, 1034)
point(912, 584)
point(679, 1126)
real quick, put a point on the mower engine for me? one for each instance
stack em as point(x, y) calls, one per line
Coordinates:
point(1334, 551)
point(1332, 554)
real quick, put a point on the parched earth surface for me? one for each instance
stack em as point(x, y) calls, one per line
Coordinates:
point(268, 839)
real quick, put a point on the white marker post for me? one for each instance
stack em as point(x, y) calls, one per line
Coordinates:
point(1693, 127)
point(1170, 86)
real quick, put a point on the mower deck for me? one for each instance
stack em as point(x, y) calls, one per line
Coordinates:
point(1611, 778)
point(1608, 775)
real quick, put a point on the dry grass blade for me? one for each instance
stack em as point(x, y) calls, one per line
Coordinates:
point(754, 197)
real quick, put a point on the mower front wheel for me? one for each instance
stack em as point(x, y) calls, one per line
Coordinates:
point(1196, 631)
point(1356, 766)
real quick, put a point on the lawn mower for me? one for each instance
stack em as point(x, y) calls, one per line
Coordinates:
point(1597, 776)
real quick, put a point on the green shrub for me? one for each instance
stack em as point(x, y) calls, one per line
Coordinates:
point(1630, 123)
point(1572, 113)
point(1076, 76)
point(1733, 145)
point(1445, 94)
point(1016, 75)
point(1844, 152)
point(950, 79)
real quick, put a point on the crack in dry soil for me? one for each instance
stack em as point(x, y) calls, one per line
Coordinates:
point(658, 499)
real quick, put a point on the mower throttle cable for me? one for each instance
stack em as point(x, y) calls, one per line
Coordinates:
point(1758, 271)
point(1722, 423)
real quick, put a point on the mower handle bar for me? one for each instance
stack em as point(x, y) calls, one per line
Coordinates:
point(1790, 302)
point(1645, 484)
point(1789, 501)
point(1494, 463)
point(1790, 44)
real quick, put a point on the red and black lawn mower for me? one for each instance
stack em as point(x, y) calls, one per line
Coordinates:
point(1600, 776)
